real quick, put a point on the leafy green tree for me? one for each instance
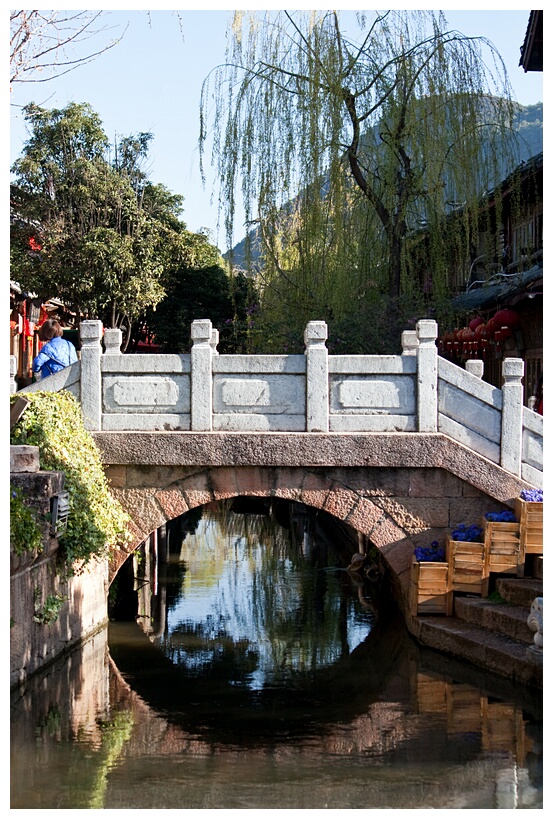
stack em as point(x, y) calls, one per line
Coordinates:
point(204, 292)
point(348, 143)
point(87, 229)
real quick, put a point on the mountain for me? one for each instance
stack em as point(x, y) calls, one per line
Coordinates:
point(529, 126)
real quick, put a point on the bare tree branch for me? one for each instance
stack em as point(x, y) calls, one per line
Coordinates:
point(41, 42)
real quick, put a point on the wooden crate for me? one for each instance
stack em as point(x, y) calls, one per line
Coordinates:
point(467, 566)
point(503, 552)
point(430, 590)
point(530, 517)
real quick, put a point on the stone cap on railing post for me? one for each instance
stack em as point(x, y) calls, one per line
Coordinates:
point(409, 342)
point(317, 412)
point(427, 376)
point(475, 366)
point(91, 379)
point(113, 339)
point(201, 400)
point(511, 416)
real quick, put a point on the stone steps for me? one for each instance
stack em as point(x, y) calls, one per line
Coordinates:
point(519, 591)
point(494, 636)
point(502, 618)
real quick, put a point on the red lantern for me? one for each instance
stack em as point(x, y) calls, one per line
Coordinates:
point(482, 332)
point(506, 318)
point(467, 338)
point(476, 322)
point(449, 338)
point(503, 333)
point(456, 341)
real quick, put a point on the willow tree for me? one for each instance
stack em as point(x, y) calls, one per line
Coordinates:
point(347, 143)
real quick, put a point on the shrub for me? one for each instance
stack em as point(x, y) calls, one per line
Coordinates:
point(97, 522)
point(25, 530)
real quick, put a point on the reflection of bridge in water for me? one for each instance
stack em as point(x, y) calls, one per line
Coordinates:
point(386, 724)
point(474, 742)
point(478, 736)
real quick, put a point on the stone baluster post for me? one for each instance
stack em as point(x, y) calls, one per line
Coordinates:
point(409, 342)
point(113, 339)
point(91, 376)
point(13, 373)
point(201, 400)
point(511, 416)
point(427, 376)
point(475, 366)
point(316, 353)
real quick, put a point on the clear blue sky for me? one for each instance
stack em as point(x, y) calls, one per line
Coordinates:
point(151, 81)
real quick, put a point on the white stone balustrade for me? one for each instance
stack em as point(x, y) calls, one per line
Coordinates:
point(417, 391)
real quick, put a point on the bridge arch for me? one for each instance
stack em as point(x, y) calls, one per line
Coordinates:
point(395, 509)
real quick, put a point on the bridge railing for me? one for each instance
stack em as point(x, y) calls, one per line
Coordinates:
point(203, 391)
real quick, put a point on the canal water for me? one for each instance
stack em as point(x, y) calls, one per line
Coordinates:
point(246, 667)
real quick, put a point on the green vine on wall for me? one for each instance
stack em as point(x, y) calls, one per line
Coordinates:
point(47, 612)
point(25, 530)
point(53, 422)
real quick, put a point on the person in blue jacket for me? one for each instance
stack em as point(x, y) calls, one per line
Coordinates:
point(57, 353)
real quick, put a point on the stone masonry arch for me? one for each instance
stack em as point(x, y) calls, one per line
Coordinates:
point(395, 509)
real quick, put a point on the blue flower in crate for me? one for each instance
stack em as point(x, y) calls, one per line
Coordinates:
point(501, 517)
point(434, 552)
point(532, 495)
point(469, 534)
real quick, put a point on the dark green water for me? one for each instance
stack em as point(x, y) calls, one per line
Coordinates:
point(260, 674)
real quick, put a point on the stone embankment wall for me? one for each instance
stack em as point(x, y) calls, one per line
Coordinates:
point(35, 578)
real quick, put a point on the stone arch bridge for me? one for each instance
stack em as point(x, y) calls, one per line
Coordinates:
point(402, 448)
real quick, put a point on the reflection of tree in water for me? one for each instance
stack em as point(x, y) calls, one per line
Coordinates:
point(273, 591)
point(203, 653)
